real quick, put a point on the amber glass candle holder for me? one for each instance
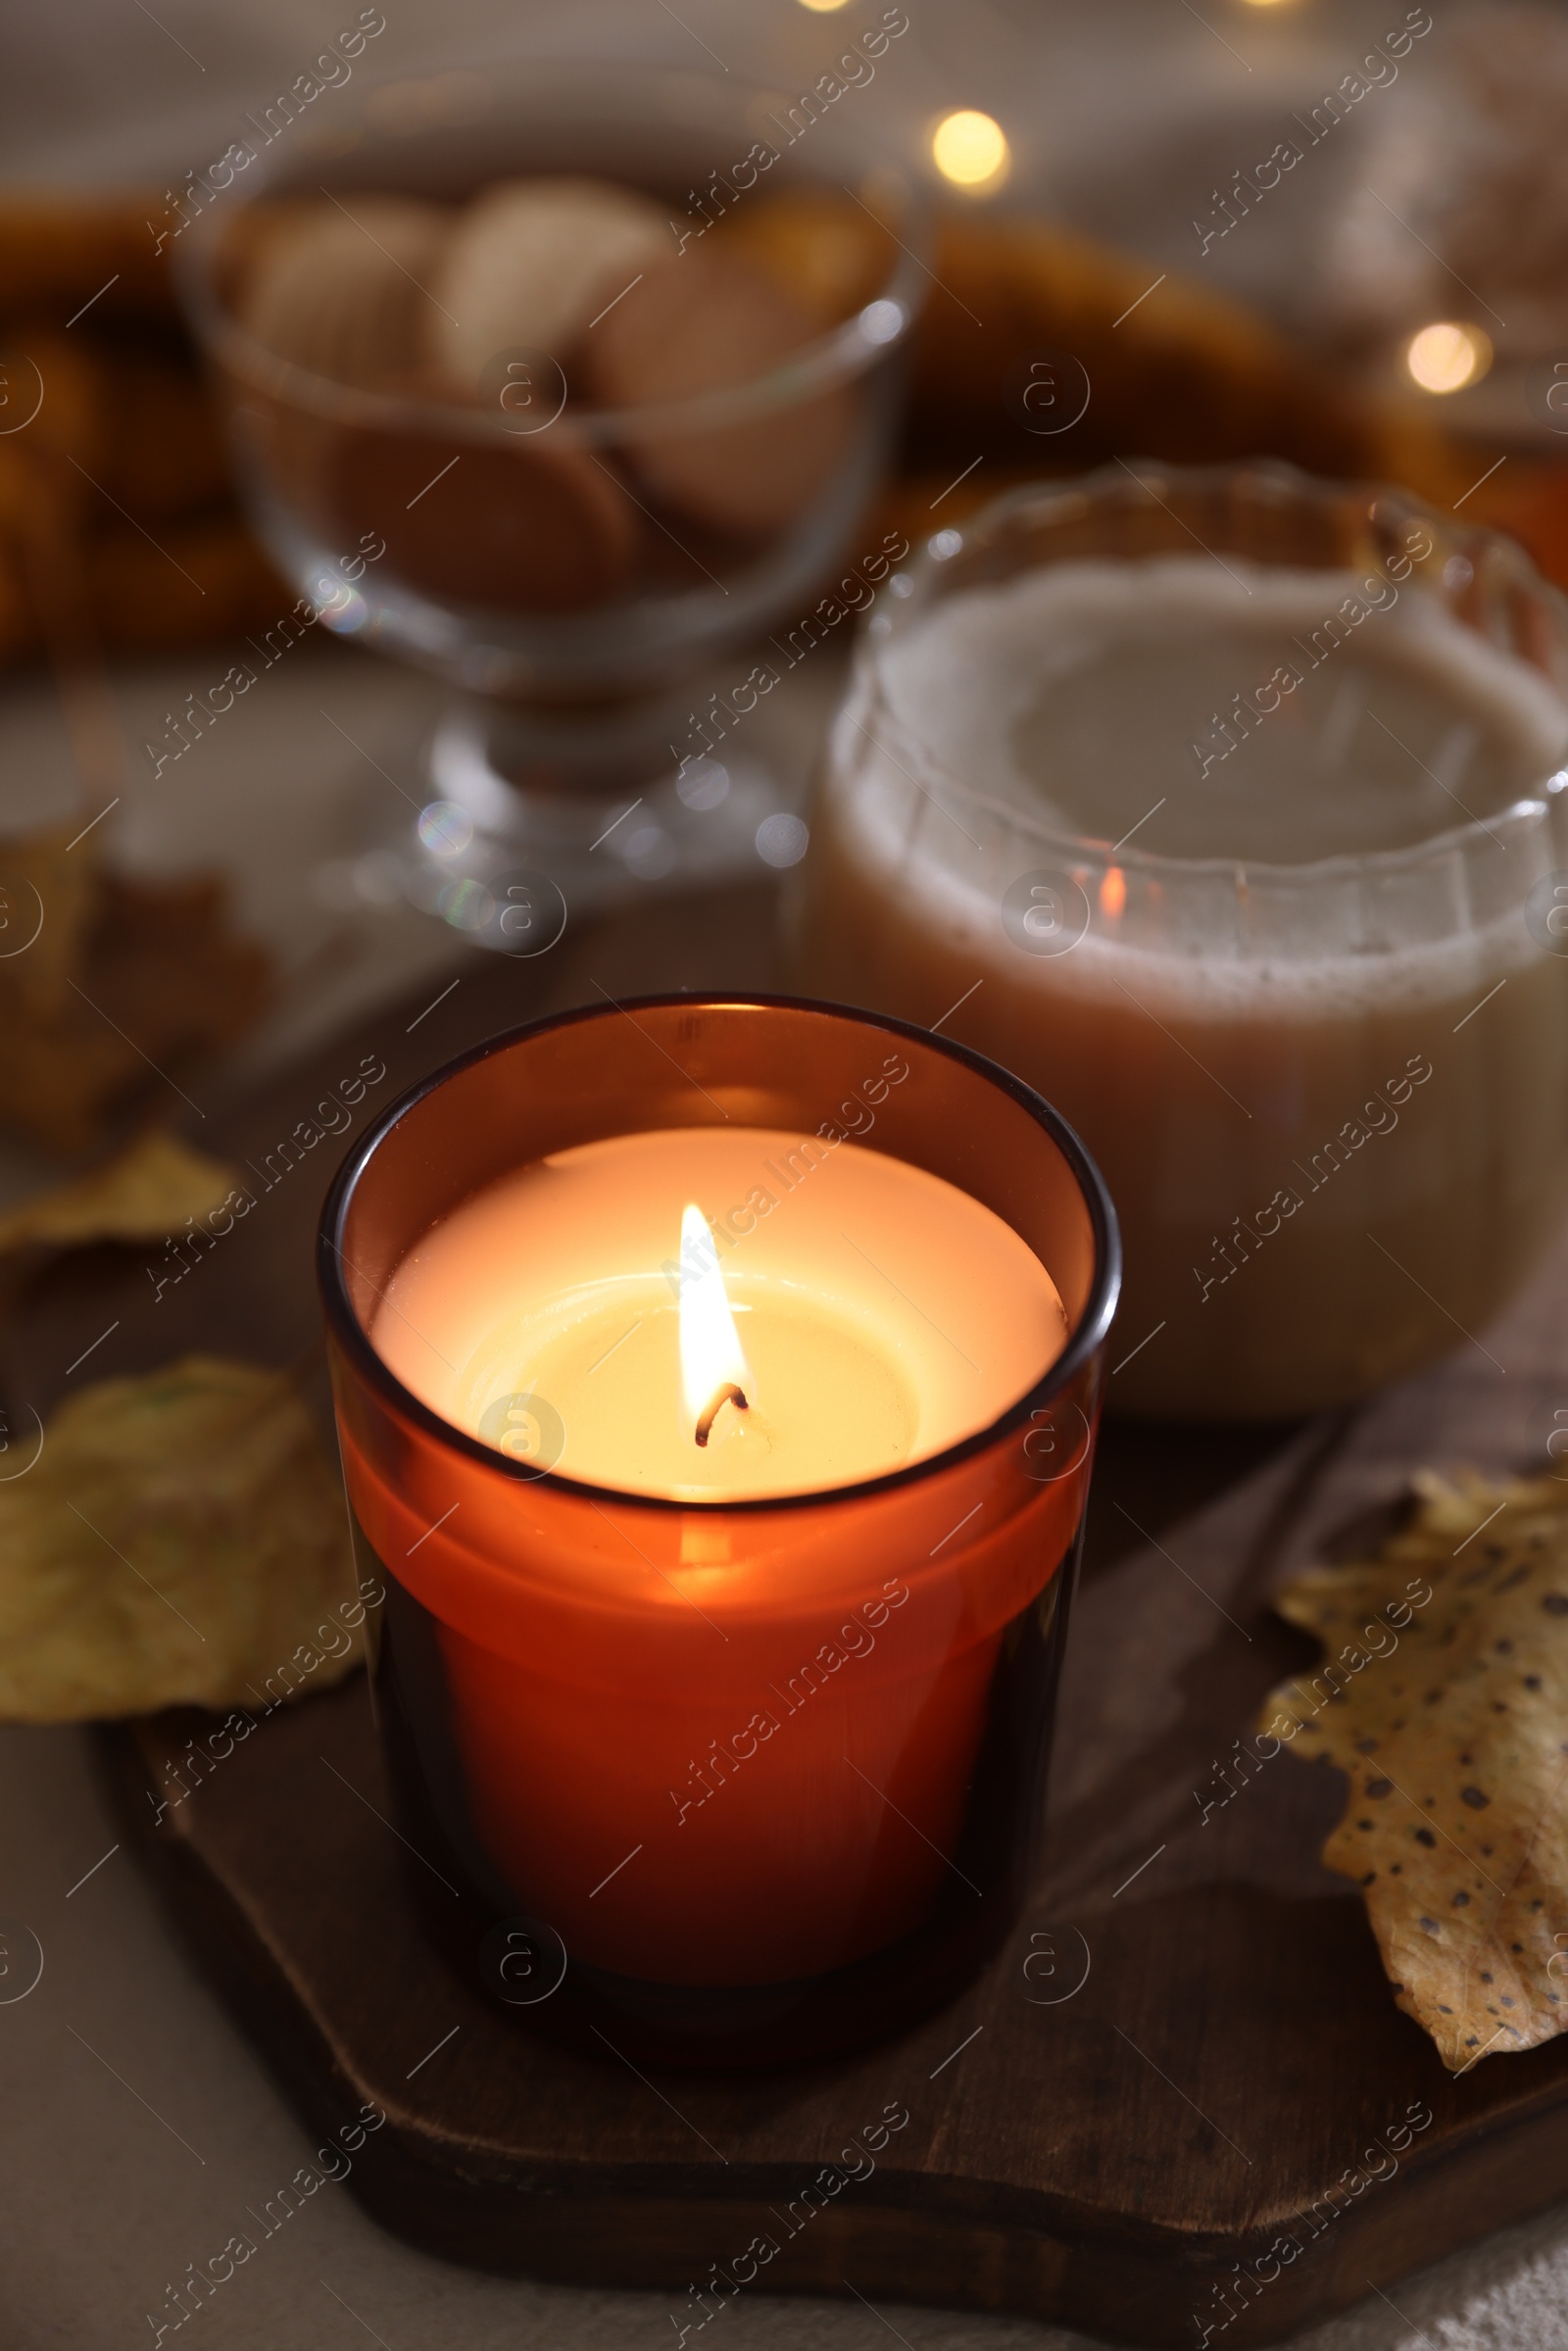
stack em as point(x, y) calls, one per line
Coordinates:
point(862, 1680)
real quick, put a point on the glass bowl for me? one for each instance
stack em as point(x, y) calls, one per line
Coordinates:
point(576, 565)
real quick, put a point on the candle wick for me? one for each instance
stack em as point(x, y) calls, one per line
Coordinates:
point(729, 1394)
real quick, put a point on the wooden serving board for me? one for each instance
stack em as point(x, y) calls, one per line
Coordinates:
point(1188, 2045)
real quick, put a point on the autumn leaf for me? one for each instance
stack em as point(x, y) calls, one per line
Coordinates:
point(144, 1193)
point(1448, 1713)
point(180, 1537)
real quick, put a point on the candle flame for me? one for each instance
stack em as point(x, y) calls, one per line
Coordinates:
point(712, 1362)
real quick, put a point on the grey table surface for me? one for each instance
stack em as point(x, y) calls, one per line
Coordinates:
point(139, 2126)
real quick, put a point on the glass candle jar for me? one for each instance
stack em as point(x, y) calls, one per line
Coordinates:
point(744, 1779)
point(1227, 808)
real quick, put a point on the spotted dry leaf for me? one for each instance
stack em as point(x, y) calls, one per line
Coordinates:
point(147, 1191)
point(1449, 1715)
point(180, 1539)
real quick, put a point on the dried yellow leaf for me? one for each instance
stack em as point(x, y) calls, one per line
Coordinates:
point(1449, 1715)
point(145, 1193)
point(181, 1538)
point(47, 897)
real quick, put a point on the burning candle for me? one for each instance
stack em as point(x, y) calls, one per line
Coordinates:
point(723, 1443)
point(819, 1315)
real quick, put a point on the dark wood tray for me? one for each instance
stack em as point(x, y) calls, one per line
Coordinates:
point(1099, 2149)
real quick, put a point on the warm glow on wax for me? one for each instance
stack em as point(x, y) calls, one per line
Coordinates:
point(713, 1365)
point(886, 1314)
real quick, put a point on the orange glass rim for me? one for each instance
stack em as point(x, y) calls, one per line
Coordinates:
point(1086, 1338)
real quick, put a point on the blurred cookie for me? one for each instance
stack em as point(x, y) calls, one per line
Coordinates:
point(532, 529)
point(827, 250)
point(531, 262)
point(343, 291)
point(707, 321)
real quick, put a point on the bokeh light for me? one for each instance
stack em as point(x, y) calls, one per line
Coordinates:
point(822, 8)
point(970, 149)
point(781, 840)
point(1447, 356)
point(445, 828)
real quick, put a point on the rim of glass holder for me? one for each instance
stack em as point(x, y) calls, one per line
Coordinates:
point(1385, 503)
point(1087, 1337)
point(837, 355)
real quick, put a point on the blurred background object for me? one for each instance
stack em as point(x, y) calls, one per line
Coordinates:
point(1142, 251)
point(598, 410)
point(1206, 918)
point(1471, 192)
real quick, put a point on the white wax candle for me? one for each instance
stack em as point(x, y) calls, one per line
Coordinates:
point(880, 1313)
